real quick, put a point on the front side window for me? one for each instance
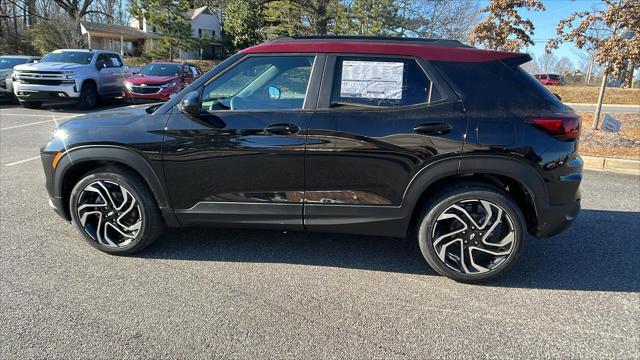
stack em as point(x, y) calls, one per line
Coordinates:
point(261, 83)
point(380, 82)
point(73, 57)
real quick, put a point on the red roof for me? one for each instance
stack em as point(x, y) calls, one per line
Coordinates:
point(426, 51)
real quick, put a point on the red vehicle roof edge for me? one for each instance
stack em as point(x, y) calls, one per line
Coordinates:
point(425, 51)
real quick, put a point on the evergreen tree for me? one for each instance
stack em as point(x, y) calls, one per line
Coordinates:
point(169, 19)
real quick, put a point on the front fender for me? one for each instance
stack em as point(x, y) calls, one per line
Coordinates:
point(115, 154)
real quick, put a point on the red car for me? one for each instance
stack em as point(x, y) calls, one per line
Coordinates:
point(550, 79)
point(160, 80)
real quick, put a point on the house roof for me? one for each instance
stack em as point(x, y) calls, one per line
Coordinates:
point(192, 13)
point(428, 49)
point(115, 29)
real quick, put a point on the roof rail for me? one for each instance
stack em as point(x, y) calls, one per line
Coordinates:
point(440, 42)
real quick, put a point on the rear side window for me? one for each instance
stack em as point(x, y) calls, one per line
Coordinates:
point(381, 82)
point(115, 60)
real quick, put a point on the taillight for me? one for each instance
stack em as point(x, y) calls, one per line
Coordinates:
point(563, 128)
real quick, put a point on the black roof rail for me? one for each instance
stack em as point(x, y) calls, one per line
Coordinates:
point(440, 42)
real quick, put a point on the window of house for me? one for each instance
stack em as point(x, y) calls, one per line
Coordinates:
point(381, 82)
point(261, 83)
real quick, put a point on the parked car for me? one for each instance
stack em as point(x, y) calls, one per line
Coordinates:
point(74, 75)
point(550, 79)
point(160, 80)
point(7, 62)
point(370, 136)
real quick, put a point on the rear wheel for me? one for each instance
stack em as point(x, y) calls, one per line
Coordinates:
point(472, 233)
point(32, 104)
point(88, 96)
point(115, 211)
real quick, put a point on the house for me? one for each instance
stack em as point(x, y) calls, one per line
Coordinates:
point(139, 36)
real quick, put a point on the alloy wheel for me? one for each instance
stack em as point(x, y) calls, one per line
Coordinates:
point(474, 236)
point(109, 213)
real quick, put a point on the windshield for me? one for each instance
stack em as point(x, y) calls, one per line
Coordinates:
point(161, 70)
point(9, 63)
point(73, 57)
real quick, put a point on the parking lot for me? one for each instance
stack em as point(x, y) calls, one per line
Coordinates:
point(204, 293)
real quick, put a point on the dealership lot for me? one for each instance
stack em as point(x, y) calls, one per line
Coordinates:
point(245, 294)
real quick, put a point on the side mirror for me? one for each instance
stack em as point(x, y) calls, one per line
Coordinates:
point(190, 104)
point(274, 93)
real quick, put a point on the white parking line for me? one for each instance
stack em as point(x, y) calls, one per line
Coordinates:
point(22, 161)
point(35, 123)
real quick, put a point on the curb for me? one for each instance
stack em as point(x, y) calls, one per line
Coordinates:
point(610, 164)
point(604, 105)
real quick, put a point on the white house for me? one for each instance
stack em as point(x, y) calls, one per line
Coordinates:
point(133, 39)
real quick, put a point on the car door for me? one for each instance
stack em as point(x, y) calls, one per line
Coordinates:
point(242, 160)
point(105, 74)
point(118, 73)
point(380, 120)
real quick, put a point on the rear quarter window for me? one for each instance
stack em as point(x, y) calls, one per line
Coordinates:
point(381, 82)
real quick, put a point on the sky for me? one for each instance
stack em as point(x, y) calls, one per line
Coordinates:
point(545, 23)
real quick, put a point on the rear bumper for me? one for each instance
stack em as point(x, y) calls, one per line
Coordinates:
point(555, 219)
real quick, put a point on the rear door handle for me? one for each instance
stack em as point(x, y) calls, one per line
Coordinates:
point(282, 129)
point(433, 129)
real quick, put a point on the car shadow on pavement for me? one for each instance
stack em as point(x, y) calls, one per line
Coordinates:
point(600, 252)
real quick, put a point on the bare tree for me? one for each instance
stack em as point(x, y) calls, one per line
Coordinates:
point(547, 63)
point(606, 31)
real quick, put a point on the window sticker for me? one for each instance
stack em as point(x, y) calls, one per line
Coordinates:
point(372, 80)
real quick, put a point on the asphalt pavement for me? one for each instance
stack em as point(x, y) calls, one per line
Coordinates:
point(205, 293)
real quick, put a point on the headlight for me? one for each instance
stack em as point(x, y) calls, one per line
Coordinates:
point(128, 85)
point(70, 74)
point(58, 133)
point(168, 85)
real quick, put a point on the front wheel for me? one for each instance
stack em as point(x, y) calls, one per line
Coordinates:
point(88, 97)
point(32, 104)
point(472, 233)
point(115, 211)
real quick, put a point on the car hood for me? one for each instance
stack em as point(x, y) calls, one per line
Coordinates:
point(50, 66)
point(115, 117)
point(139, 79)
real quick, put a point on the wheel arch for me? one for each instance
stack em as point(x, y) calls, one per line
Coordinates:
point(78, 161)
point(517, 178)
point(89, 81)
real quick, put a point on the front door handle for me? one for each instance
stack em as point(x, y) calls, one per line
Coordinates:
point(433, 129)
point(282, 129)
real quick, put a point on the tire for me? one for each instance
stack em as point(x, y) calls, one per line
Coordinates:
point(32, 104)
point(88, 97)
point(458, 248)
point(132, 219)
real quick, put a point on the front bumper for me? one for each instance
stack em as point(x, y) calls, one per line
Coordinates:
point(162, 95)
point(61, 92)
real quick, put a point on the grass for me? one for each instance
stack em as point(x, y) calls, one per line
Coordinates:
point(589, 94)
point(623, 145)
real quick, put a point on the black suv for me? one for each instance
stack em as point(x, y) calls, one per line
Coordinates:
point(455, 146)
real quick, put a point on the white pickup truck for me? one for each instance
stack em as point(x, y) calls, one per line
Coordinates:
point(75, 75)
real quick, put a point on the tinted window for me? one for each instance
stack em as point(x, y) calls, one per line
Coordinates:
point(161, 70)
point(9, 63)
point(261, 83)
point(74, 57)
point(554, 77)
point(103, 61)
point(384, 82)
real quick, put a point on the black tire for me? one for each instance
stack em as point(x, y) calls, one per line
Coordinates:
point(152, 222)
point(467, 193)
point(88, 96)
point(13, 99)
point(32, 104)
